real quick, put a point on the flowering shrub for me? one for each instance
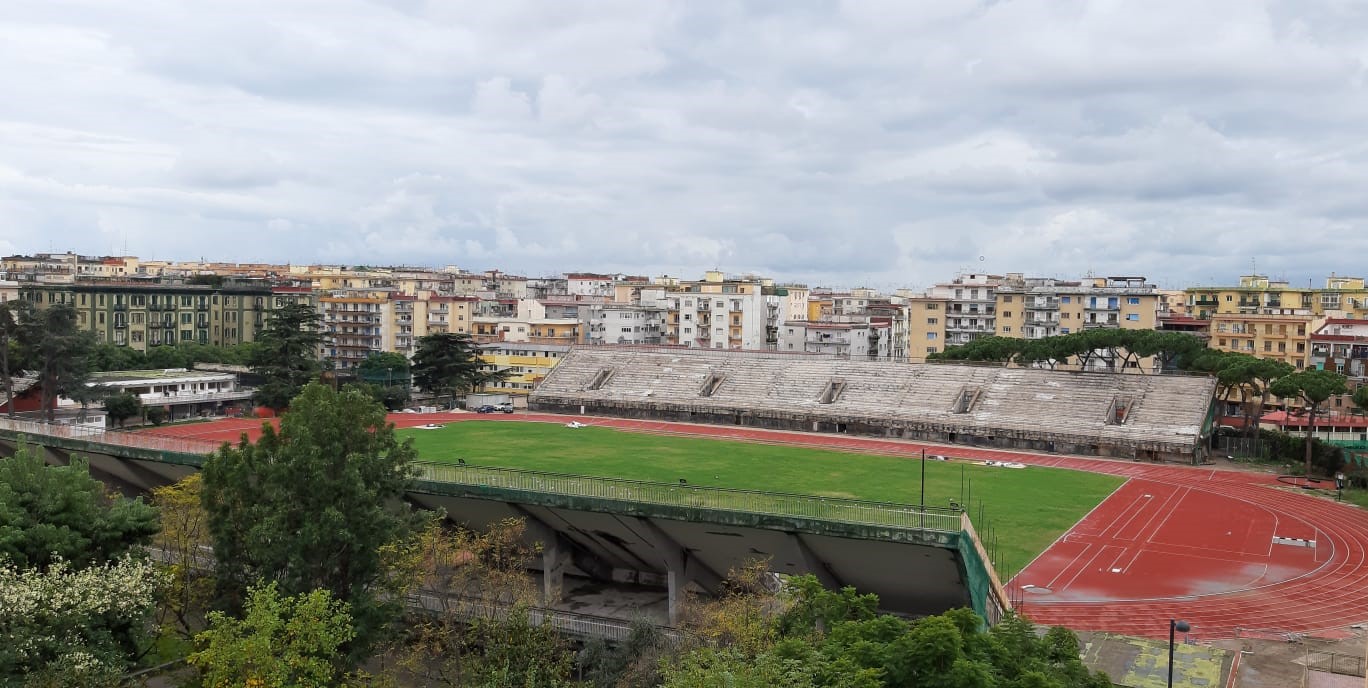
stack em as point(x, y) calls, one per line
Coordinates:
point(64, 626)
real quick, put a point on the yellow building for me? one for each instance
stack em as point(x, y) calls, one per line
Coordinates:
point(1282, 337)
point(925, 326)
point(527, 364)
point(1036, 308)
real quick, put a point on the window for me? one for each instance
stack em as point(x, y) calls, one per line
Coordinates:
point(930, 349)
point(1063, 330)
point(1134, 301)
point(1228, 297)
point(931, 335)
point(101, 318)
point(1006, 328)
point(932, 321)
point(933, 306)
point(1006, 314)
point(1132, 316)
point(1268, 346)
point(1066, 299)
point(1006, 298)
point(1064, 316)
point(1223, 343)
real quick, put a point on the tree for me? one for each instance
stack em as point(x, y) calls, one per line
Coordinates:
point(122, 406)
point(13, 317)
point(286, 354)
point(106, 357)
point(385, 369)
point(52, 513)
point(156, 415)
point(1361, 398)
point(280, 641)
point(446, 364)
point(68, 626)
point(1313, 388)
point(313, 504)
point(58, 352)
point(184, 535)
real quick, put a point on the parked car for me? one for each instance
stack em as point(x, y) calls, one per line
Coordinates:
point(487, 408)
point(506, 407)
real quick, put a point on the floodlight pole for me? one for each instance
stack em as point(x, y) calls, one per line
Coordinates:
point(923, 480)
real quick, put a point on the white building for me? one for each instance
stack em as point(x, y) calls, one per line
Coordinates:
point(183, 393)
point(621, 323)
point(867, 338)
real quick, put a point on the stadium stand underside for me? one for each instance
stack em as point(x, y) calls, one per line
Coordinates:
point(1150, 417)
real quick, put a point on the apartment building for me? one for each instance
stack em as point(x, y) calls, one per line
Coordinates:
point(855, 337)
point(718, 313)
point(152, 312)
point(533, 321)
point(355, 324)
point(1341, 345)
point(625, 323)
point(925, 326)
point(527, 364)
point(1035, 308)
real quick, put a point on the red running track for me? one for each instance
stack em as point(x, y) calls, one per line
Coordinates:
point(1224, 550)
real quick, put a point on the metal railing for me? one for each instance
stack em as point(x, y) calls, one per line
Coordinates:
point(836, 509)
point(87, 433)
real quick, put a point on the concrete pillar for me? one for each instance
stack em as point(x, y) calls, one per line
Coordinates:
point(555, 559)
point(681, 567)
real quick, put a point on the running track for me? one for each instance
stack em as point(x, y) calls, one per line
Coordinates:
point(1224, 550)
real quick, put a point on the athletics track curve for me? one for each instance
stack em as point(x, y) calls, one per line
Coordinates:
point(1287, 562)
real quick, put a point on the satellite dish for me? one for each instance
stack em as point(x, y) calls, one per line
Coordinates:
point(980, 259)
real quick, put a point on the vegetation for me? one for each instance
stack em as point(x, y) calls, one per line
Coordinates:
point(55, 349)
point(109, 357)
point(1118, 349)
point(1029, 508)
point(309, 506)
point(448, 364)
point(280, 641)
point(286, 354)
point(73, 598)
point(121, 406)
point(1313, 387)
point(14, 315)
point(60, 513)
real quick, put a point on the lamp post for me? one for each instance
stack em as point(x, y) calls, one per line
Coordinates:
point(1182, 627)
point(1339, 486)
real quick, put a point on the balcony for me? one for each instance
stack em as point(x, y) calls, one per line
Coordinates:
point(160, 399)
point(120, 306)
point(1042, 304)
point(1205, 302)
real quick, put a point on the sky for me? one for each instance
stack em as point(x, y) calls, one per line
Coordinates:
point(885, 143)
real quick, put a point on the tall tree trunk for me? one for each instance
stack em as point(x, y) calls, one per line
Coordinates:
point(1310, 435)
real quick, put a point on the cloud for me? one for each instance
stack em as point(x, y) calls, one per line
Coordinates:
point(854, 142)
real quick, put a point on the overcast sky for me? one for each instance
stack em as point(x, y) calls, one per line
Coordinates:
point(884, 144)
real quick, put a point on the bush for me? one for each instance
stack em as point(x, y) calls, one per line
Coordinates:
point(156, 415)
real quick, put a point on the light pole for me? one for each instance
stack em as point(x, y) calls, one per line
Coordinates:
point(1339, 486)
point(1181, 627)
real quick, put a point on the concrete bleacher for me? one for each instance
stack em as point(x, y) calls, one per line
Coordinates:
point(1011, 407)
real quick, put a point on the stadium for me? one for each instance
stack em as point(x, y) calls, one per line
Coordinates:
point(1236, 553)
point(1149, 417)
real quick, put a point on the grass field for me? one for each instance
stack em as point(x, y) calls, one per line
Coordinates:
point(1028, 508)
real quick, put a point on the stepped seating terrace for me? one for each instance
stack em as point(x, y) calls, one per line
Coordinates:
point(1018, 407)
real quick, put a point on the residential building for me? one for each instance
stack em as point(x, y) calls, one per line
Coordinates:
point(356, 323)
point(1283, 336)
point(149, 312)
point(535, 321)
point(625, 323)
point(1034, 308)
point(856, 336)
point(971, 308)
point(926, 333)
point(1341, 345)
point(717, 313)
point(526, 363)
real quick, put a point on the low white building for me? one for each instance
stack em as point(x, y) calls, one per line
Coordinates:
point(183, 393)
point(621, 323)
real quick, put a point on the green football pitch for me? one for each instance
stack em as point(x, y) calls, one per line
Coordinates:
point(1027, 508)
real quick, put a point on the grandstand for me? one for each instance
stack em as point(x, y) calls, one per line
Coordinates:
point(1153, 417)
